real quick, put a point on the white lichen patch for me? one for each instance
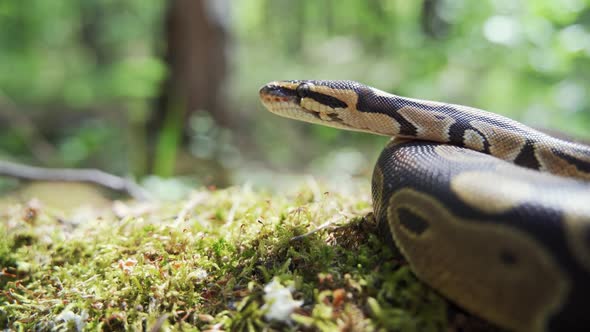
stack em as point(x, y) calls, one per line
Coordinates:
point(68, 316)
point(279, 303)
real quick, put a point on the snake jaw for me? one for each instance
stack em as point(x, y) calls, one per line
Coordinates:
point(281, 98)
point(299, 100)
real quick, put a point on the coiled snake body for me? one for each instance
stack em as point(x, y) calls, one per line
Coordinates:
point(489, 212)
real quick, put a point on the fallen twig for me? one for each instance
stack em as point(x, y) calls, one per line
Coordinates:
point(95, 176)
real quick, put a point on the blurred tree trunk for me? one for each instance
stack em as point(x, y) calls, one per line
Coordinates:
point(195, 53)
point(433, 24)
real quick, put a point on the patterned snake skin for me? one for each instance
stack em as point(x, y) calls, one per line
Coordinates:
point(489, 212)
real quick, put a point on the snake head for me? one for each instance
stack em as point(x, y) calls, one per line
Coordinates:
point(330, 103)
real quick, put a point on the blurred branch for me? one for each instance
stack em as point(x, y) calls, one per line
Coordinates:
point(39, 146)
point(97, 177)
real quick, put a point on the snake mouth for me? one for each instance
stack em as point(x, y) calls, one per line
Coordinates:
point(284, 101)
point(274, 93)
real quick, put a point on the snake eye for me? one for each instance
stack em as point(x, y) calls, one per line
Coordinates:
point(303, 90)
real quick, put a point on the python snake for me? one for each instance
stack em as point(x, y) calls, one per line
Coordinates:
point(491, 213)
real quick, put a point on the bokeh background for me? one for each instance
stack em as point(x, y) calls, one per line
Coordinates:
point(168, 90)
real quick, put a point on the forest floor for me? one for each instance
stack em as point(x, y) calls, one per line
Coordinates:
point(234, 259)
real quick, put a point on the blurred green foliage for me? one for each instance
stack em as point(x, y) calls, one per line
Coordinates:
point(79, 53)
point(529, 60)
point(76, 78)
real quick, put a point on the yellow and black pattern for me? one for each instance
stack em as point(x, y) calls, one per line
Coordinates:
point(491, 213)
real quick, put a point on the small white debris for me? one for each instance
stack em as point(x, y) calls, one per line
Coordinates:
point(79, 320)
point(198, 274)
point(279, 303)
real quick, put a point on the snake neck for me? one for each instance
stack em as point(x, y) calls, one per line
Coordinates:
point(476, 130)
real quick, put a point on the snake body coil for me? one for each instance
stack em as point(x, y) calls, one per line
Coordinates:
point(491, 213)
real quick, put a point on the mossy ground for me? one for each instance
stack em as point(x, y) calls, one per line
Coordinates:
point(202, 263)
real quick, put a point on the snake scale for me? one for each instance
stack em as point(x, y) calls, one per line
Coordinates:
point(489, 212)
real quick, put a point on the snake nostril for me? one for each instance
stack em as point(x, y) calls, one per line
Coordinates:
point(270, 91)
point(264, 90)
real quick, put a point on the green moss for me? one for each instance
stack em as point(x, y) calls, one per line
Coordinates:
point(203, 263)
